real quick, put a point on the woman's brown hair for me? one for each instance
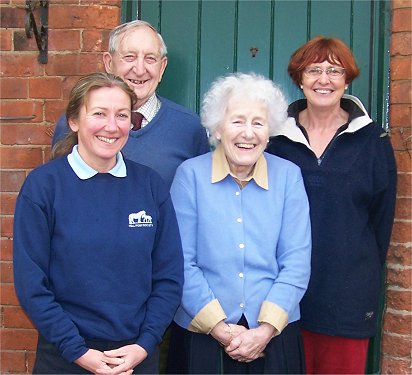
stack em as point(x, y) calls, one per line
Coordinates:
point(321, 49)
point(78, 97)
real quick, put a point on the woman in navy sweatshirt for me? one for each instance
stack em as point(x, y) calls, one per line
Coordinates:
point(97, 254)
point(349, 171)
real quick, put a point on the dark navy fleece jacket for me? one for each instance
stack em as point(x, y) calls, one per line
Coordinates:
point(83, 269)
point(351, 191)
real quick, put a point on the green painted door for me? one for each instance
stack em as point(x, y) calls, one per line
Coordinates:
point(209, 38)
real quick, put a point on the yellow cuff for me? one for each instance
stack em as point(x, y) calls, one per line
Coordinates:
point(274, 315)
point(207, 318)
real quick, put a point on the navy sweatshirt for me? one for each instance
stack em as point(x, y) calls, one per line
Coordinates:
point(86, 266)
point(351, 191)
point(174, 135)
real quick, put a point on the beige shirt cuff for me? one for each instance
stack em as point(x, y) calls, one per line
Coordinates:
point(274, 315)
point(207, 318)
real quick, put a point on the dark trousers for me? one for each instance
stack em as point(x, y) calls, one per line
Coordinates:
point(49, 360)
point(202, 354)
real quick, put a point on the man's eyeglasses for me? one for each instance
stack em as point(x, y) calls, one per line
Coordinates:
point(316, 72)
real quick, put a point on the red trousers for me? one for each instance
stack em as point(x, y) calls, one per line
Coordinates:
point(334, 354)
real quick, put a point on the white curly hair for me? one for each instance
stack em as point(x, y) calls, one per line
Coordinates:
point(252, 86)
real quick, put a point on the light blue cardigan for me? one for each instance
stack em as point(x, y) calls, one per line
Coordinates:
point(242, 246)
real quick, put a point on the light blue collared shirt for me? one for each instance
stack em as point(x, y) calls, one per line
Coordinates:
point(84, 171)
point(257, 262)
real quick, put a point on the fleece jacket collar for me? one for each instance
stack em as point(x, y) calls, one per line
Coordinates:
point(290, 130)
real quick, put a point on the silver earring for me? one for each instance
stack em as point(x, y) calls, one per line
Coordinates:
point(301, 87)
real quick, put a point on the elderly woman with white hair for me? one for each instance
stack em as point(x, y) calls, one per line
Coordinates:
point(244, 222)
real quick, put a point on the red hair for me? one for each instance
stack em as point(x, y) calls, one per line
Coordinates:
point(321, 49)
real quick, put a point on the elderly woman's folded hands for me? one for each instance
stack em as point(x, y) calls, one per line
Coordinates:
point(224, 333)
point(251, 343)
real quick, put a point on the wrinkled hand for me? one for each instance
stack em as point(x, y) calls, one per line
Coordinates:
point(123, 360)
point(93, 361)
point(224, 333)
point(249, 345)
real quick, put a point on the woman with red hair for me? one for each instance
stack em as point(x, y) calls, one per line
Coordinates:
point(349, 172)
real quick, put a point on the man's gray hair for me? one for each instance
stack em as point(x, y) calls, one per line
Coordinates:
point(118, 31)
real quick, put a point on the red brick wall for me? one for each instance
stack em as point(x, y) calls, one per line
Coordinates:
point(397, 326)
point(78, 33)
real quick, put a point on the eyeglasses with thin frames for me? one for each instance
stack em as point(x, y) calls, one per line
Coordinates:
point(332, 72)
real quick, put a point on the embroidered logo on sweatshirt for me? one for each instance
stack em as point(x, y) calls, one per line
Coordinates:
point(369, 315)
point(140, 219)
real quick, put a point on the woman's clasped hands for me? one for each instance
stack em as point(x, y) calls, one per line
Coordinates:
point(113, 362)
point(242, 344)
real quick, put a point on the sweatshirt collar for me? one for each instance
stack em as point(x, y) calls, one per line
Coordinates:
point(84, 171)
point(220, 169)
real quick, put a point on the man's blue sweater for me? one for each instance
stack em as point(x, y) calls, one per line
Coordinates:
point(98, 258)
point(174, 135)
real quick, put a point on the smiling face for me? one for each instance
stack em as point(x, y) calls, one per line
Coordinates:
point(102, 127)
point(323, 91)
point(138, 61)
point(243, 133)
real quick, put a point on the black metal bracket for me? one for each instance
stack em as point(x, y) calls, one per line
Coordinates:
point(31, 27)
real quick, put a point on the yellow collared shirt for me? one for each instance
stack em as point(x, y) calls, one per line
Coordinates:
point(220, 169)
